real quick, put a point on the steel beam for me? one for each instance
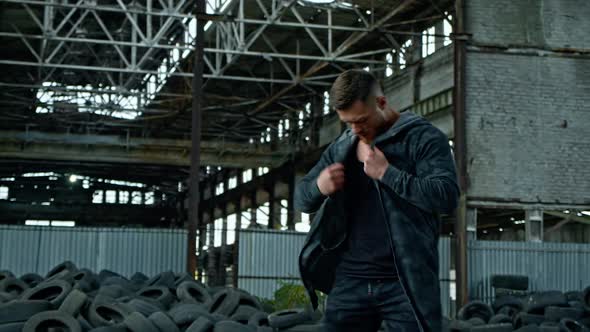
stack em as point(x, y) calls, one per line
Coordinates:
point(113, 149)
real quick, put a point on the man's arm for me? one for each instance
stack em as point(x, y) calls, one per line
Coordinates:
point(308, 197)
point(434, 187)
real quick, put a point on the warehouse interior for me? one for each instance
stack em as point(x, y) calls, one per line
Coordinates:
point(192, 121)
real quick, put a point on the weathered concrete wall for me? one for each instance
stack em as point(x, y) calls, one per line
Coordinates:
point(527, 110)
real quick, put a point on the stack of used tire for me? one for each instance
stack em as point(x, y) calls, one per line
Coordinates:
point(514, 309)
point(72, 299)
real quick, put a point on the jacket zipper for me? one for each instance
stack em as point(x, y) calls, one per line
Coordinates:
point(393, 254)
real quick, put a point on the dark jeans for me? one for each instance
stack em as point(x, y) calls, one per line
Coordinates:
point(362, 305)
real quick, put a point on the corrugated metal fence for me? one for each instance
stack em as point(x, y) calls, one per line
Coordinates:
point(549, 266)
point(267, 257)
point(26, 249)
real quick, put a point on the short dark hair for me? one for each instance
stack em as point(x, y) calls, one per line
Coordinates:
point(350, 86)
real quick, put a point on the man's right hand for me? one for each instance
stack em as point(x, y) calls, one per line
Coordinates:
point(331, 179)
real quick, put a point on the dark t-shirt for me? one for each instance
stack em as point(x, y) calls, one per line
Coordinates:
point(367, 253)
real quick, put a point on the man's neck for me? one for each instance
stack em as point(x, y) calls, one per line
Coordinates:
point(391, 118)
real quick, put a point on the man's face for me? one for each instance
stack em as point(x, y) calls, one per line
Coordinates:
point(363, 118)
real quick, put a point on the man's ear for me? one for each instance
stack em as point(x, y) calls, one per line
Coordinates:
point(381, 102)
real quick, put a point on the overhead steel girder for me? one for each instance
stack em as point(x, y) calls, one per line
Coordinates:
point(114, 149)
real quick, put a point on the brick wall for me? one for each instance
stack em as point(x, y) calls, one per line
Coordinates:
point(528, 113)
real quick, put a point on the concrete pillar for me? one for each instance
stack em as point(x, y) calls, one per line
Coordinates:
point(533, 225)
point(471, 221)
point(253, 207)
point(439, 30)
point(290, 193)
point(272, 208)
point(317, 109)
point(415, 50)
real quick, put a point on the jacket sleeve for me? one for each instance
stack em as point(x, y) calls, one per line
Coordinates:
point(434, 188)
point(307, 196)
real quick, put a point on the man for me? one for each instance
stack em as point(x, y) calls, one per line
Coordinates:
point(377, 192)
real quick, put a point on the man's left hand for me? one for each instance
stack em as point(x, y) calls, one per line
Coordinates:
point(376, 164)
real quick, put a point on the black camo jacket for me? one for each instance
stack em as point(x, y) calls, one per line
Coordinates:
point(419, 184)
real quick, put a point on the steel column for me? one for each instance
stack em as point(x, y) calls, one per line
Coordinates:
point(460, 154)
point(193, 222)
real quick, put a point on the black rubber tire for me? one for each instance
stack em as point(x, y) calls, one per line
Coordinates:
point(105, 274)
point(549, 327)
point(119, 281)
point(145, 307)
point(507, 300)
point(106, 314)
point(577, 305)
point(555, 314)
point(215, 289)
point(160, 294)
point(139, 278)
point(31, 279)
point(475, 309)
point(523, 319)
point(259, 318)
point(537, 302)
point(112, 328)
point(586, 298)
point(179, 278)
point(64, 268)
point(224, 302)
point(572, 325)
point(100, 299)
point(516, 282)
point(500, 318)
point(183, 315)
point(163, 322)
point(136, 322)
point(73, 303)
point(508, 311)
point(201, 324)
point(165, 279)
point(511, 292)
point(54, 291)
point(270, 329)
point(85, 280)
point(231, 326)
point(476, 321)
point(287, 318)
point(459, 326)
point(12, 327)
point(585, 320)
point(573, 296)
point(529, 328)
point(191, 292)
point(249, 300)
point(13, 286)
point(500, 327)
point(245, 310)
point(241, 318)
point(20, 311)
point(6, 297)
point(5, 274)
point(114, 291)
point(44, 321)
point(86, 326)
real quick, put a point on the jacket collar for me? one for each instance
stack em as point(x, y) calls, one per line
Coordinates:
point(406, 120)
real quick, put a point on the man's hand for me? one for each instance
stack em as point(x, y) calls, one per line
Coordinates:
point(331, 179)
point(376, 164)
